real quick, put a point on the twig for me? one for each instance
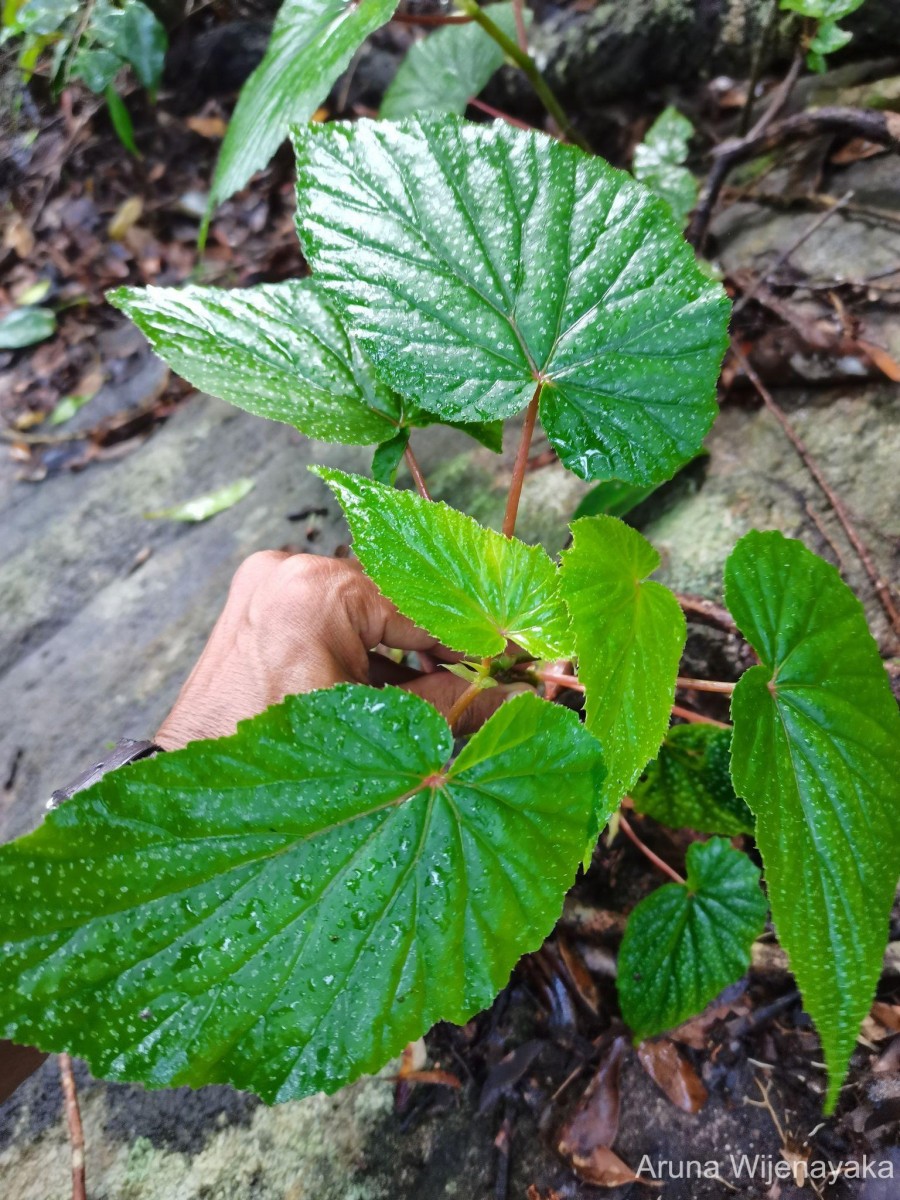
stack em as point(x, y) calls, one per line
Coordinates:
point(882, 590)
point(532, 72)
point(873, 125)
point(647, 852)
point(416, 471)
point(706, 612)
point(688, 714)
point(756, 67)
point(521, 464)
point(429, 19)
point(780, 96)
point(705, 685)
point(76, 1132)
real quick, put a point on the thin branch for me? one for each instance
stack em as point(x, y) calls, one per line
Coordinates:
point(780, 96)
point(882, 590)
point(688, 714)
point(431, 19)
point(756, 66)
point(76, 1132)
point(416, 471)
point(526, 63)
point(871, 124)
point(647, 852)
point(706, 612)
point(705, 685)
point(521, 463)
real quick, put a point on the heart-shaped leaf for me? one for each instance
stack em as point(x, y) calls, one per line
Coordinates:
point(480, 263)
point(629, 633)
point(689, 784)
point(816, 755)
point(468, 586)
point(286, 908)
point(685, 942)
point(311, 44)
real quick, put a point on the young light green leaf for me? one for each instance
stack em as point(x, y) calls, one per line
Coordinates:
point(311, 44)
point(685, 942)
point(629, 633)
point(659, 159)
point(816, 755)
point(689, 785)
point(67, 408)
point(476, 262)
point(277, 350)
point(468, 586)
point(388, 456)
point(285, 909)
point(823, 10)
point(25, 327)
point(445, 70)
point(203, 507)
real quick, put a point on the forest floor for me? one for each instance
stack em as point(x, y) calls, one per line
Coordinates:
point(105, 609)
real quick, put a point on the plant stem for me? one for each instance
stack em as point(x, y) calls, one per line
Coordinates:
point(705, 685)
point(462, 702)
point(529, 67)
point(647, 852)
point(416, 471)
point(882, 590)
point(569, 681)
point(430, 19)
point(521, 31)
point(521, 463)
point(696, 718)
point(76, 1132)
point(499, 115)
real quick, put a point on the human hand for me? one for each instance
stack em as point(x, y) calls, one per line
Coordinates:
point(296, 622)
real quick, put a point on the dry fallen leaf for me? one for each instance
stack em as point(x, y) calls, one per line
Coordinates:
point(586, 1137)
point(208, 127)
point(604, 1168)
point(126, 215)
point(673, 1074)
point(18, 236)
point(887, 1015)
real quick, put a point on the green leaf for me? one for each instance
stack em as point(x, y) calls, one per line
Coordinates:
point(142, 42)
point(201, 508)
point(445, 70)
point(121, 120)
point(285, 909)
point(829, 38)
point(689, 785)
point(658, 162)
point(44, 16)
point(616, 499)
point(816, 755)
point(67, 408)
point(830, 10)
point(629, 634)
point(684, 943)
point(468, 586)
point(311, 44)
point(475, 262)
point(25, 327)
point(387, 457)
point(276, 350)
point(96, 68)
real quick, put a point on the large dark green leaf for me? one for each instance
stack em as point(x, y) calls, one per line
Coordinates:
point(468, 586)
point(689, 784)
point(285, 909)
point(816, 755)
point(686, 942)
point(445, 70)
point(142, 42)
point(629, 633)
point(311, 44)
point(476, 262)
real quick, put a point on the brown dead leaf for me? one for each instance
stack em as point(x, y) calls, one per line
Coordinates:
point(579, 976)
point(673, 1074)
point(414, 1058)
point(213, 128)
point(854, 150)
point(887, 1015)
point(586, 1137)
point(18, 236)
point(885, 363)
point(127, 214)
point(604, 1168)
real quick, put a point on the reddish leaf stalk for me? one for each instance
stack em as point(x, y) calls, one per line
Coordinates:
point(688, 714)
point(76, 1132)
point(647, 852)
point(416, 471)
point(521, 463)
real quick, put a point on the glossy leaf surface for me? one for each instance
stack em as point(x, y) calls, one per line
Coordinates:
point(684, 943)
point(287, 908)
point(443, 71)
point(311, 44)
point(468, 586)
point(816, 755)
point(659, 162)
point(629, 633)
point(689, 784)
point(477, 261)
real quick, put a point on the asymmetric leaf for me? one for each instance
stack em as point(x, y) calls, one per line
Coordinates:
point(629, 634)
point(477, 262)
point(468, 586)
point(311, 44)
point(286, 908)
point(816, 755)
point(688, 786)
point(445, 70)
point(684, 943)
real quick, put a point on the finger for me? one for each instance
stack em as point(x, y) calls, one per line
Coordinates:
point(443, 689)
